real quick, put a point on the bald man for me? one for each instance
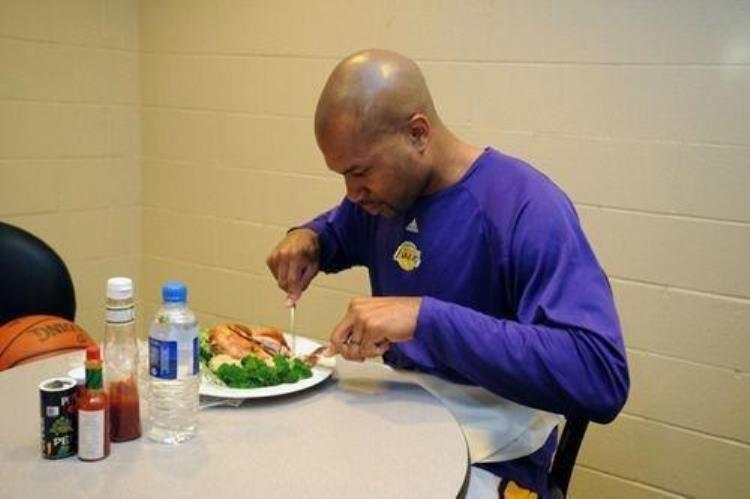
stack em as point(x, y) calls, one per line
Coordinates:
point(480, 272)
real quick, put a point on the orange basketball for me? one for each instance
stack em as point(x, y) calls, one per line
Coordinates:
point(37, 336)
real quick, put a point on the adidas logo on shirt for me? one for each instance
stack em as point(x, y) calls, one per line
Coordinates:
point(412, 227)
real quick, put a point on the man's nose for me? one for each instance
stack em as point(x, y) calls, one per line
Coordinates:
point(354, 191)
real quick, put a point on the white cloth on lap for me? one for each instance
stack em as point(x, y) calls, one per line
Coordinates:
point(482, 484)
point(496, 429)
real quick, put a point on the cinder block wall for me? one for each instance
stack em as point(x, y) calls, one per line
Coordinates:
point(70, 137)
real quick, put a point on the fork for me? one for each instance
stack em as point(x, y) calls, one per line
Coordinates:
point(312, 358)
point(217, 402)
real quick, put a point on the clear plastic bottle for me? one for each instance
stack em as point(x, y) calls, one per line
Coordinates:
point(121, 360)
point(173, 369)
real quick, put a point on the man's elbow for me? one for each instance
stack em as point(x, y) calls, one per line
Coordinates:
point(611, 401)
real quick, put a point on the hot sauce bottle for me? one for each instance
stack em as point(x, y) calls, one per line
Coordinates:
point(93, 411)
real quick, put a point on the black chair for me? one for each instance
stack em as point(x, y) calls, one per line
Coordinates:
point(33, 278)
point(565, 457)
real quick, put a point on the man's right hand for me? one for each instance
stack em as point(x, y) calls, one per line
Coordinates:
point(294, 261)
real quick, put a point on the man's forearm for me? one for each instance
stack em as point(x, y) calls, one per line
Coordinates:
point(339, 237)
point(566, 370)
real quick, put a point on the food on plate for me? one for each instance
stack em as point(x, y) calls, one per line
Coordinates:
point(217, 360)
point(241, 356)
point(239, 341)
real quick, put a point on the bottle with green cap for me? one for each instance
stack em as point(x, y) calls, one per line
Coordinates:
point(173, 368)
point(93, 411)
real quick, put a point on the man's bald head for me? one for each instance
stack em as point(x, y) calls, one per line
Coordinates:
point(375, 90)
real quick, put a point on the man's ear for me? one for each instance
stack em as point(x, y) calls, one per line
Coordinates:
point(420, 131)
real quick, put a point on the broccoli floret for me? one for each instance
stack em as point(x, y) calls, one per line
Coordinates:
point(255, 372)
point(234, 376)
point(204, 346)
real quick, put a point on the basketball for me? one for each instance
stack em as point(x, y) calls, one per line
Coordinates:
point(38, 336)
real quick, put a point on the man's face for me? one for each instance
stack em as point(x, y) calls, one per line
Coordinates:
point(382, 175)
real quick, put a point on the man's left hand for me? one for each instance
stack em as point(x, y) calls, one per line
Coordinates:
point(371, 324)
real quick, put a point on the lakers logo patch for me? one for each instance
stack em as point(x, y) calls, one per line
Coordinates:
point(407, 256)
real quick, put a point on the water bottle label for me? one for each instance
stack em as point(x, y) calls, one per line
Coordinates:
point(162, 356)
point(196, 356)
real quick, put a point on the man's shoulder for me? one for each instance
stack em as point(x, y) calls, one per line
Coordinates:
point(504, 184)
point(516, 200)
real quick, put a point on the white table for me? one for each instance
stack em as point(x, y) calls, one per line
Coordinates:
point(355, 436)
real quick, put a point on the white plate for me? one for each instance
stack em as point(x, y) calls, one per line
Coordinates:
point(304, 346)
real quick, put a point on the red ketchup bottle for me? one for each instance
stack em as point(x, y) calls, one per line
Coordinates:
point(121, 360)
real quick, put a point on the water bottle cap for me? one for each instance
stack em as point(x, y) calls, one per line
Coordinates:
point(174, 292)
point(119, 288)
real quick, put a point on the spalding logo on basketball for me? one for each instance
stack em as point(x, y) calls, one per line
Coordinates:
point(37, 336)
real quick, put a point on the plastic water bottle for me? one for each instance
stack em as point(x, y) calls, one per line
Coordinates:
point(173, 369)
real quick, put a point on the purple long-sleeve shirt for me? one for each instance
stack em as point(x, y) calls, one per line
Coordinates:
point(514, 298)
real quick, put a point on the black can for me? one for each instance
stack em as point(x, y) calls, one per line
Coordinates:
point(59, 417)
